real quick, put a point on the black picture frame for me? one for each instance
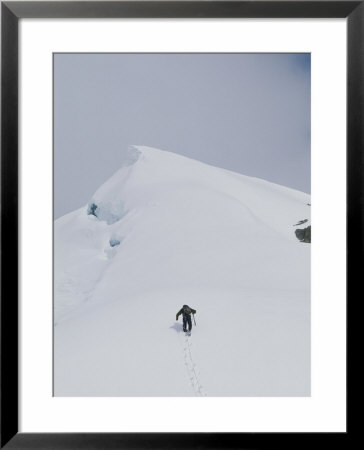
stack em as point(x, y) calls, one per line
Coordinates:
point(11, 12)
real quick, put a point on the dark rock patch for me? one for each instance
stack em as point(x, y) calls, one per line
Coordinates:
point(300, 222)
point(304, 234)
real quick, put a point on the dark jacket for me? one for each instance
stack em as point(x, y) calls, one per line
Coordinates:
point(181, 311)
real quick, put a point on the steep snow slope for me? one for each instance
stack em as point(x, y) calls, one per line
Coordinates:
point(163, 231)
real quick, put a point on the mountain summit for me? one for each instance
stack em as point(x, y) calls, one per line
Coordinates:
point(163, 231)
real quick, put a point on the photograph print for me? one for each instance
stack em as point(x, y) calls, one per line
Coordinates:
point(182, 231)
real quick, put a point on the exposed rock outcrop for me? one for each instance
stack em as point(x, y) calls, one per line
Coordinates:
point(304, 234)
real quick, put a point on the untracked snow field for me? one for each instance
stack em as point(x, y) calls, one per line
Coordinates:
point(164, 231)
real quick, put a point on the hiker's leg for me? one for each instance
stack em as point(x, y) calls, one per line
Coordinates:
point(184, 323)
point(189, 323)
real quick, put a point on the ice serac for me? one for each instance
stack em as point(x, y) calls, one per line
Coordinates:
point(166, 230)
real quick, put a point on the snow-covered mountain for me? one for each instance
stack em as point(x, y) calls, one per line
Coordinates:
point(164, 231)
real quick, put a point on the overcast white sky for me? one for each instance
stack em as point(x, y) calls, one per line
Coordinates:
point(245, 112)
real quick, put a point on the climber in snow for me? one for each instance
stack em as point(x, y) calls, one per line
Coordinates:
point(186, 311)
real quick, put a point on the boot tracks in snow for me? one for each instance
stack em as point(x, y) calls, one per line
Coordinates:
point(192, 369)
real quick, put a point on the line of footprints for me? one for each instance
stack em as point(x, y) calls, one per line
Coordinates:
point(192, 369)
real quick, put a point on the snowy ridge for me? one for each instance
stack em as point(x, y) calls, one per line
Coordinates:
point(166, 230)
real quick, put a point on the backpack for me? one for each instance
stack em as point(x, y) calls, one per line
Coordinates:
point(186, 309)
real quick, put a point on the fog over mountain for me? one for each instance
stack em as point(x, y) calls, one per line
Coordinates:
point(249, 113)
